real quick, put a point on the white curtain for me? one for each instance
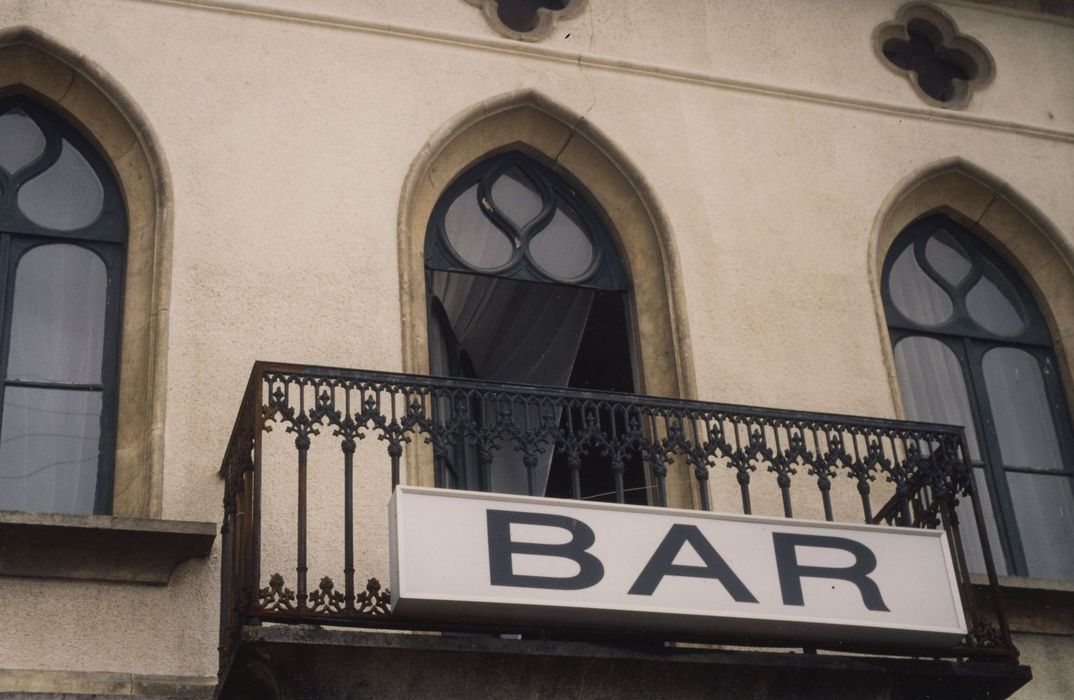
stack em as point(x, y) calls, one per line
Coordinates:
point(511, 331)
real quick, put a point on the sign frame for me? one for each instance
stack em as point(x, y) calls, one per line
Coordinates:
point(522, 608)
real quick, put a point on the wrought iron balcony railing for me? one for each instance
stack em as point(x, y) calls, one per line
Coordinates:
point(315, 453)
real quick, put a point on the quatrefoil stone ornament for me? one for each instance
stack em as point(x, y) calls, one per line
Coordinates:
point(943, 66)
point(527, 20)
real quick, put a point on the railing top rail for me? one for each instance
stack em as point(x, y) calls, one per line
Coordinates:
point(543, 392)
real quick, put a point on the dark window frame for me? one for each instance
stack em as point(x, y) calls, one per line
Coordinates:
point(606, 276)
point(105, 237)
point(606, 271)
point(970, 342)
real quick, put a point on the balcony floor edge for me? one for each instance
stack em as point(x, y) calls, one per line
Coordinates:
point(307, 661)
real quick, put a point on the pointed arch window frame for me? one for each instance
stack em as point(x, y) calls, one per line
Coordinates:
point(970, 343)
point(605, 273)
point(606, 270)
point(105, 237)
point(554, 133)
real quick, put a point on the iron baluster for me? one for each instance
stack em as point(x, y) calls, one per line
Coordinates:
point(696, 457)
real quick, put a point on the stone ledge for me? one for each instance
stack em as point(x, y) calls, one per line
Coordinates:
point(41, 684)
point(99, 547)
point(1033, 606)
point(1026, 583)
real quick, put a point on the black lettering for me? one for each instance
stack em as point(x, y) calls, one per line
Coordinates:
point(502, 547)
point(791, 572)
point(661, 565)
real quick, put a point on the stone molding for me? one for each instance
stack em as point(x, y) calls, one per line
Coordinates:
point(48, 684)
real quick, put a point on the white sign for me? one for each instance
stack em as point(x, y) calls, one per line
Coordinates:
point(479, 558)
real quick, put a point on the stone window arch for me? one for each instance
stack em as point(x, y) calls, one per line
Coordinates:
point(72, 87)
point(558, 139)
point(1001, 237)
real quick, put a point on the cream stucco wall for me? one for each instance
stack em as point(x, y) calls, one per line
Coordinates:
point(768, 132)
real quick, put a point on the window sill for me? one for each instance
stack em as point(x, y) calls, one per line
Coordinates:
point(1034, 606)
point(1025, 583)
point(99, 547)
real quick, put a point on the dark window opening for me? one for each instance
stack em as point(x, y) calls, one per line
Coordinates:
point(521, 15)
point(936, 66)
point(603, 364)
point(526, 286)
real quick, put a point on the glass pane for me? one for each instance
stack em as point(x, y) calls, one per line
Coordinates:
point(49, 450)
point(473, 236)
point(516, 196)
point(1024, 422)
point(971, 542)
point(57, 320)
point(1044, 506)
point(932, 385)
point(947, 257)
point(562, 249)
point(994, 304)
point(20, 141)
point(65, 197)
point(916, 296)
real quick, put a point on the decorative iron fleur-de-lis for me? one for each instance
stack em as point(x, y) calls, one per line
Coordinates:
point(326, 599)
point(373, 600)
point(276, 596)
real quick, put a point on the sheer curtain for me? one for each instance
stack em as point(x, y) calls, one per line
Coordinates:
point(510, 331)
point(51, 432)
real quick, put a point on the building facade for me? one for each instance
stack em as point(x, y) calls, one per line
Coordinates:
point(831, 209)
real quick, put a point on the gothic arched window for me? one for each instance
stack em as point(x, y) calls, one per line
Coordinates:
point(526, 285)
point(63, 232)
point(972, 348)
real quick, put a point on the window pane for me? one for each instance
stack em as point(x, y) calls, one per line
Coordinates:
point(49, 450)
point(947, 257)
point(516, 196)
point(562, 249)
point(21, 142)
point(65, 197)
point(473, 236)
point(914, 294)
point(1045, 511)
point(1024, 423)
point(994, 304)
point(971, 542)
point(57, 321)
point(932, 385)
